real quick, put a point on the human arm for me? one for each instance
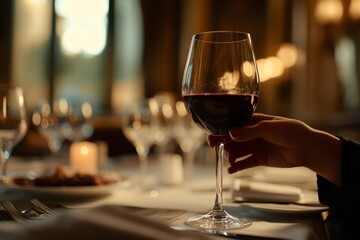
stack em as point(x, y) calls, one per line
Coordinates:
point(283, 142)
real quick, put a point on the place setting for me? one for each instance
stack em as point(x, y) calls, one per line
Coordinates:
point(217, 95)
point(79, 177)
point(275, 190)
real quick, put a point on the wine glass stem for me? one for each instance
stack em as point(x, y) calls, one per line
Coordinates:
point(3, 165)
point(143, 169)
point(189, 164)
point(218, 206)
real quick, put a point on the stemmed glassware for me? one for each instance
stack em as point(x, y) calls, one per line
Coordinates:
point(165, 117)
point(188, 135)
point(50, 120)
point(78, 127)
point(140, 128)
point(13, 123)
point(220, 89)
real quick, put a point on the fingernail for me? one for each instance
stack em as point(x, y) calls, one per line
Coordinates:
point(234, 132)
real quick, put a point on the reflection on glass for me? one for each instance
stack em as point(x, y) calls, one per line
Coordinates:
point(218, 98)
point(189, 136)
point(13, 123)
point(78, 126)
point(140, 129)
point(50, 120)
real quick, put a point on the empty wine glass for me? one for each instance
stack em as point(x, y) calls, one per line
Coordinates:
point(50, 120)
point(166, 121)
point(13, 123)
point(78, 126)
point(140, 128)
point(188, 135)
point(220, 89)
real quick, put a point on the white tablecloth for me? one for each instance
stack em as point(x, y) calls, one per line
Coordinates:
point(194, 195)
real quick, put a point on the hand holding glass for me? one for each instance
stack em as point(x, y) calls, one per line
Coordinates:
point(220, 89)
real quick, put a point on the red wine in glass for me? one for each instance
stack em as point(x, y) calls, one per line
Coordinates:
point(220, 88)
point(217, 112)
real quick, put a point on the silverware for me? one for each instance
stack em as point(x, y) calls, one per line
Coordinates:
point(15, 213)
point(41, 206)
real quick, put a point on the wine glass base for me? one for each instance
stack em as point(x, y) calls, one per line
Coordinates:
point(218, 221)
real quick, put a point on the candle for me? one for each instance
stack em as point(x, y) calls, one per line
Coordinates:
point(171, 169)
point(83, 157)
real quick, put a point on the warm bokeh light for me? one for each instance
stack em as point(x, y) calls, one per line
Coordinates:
point(354, 9)
point(229, 80)
point(328, 11)
point(86, 110)
point(83, 29)
point(248, 69)
point(288, 55)
point(167, 111)
point(36, 118)
point(84, 150)
point(181, 109)
point(154, 107)
point(63, 106)
point(269, 68)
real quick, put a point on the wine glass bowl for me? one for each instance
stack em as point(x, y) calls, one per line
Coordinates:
point(13, 123)
point(165, 119)
point(140, 128)
point(78, 126)
point(50, 121)
point(220, 89)
point(188, 135)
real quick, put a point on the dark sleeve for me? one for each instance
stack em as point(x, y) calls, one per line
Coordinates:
point(343, 202)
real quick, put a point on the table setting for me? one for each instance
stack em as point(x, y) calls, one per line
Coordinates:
point(163, 196)
point(170, 205)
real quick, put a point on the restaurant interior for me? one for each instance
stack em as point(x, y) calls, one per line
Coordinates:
point(105, 54)
point(109, 53)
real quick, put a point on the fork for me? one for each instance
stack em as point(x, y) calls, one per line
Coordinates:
point(14, 212)
point(42, 207)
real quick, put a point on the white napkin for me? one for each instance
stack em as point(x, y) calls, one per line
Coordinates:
point(264, 192)
point(104, 222)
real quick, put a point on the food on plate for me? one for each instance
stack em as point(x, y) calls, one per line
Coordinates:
point(61, 177)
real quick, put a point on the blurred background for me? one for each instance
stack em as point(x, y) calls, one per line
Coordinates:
point(111, 52)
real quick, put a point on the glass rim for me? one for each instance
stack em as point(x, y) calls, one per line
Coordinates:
point(245, 36)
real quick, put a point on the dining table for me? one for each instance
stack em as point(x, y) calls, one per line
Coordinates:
point(123, 211)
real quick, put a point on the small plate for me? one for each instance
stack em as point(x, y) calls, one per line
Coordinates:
point(65, 191)
point(69, 191)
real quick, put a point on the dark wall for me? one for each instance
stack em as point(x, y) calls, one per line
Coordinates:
point(6, 13)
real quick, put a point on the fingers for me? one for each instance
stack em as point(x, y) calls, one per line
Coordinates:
point(211, 140)
point(257, 117)
point(248, 162)
point(259, 130)
point(247, 133)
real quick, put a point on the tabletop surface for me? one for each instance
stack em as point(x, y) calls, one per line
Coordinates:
point(173, 204)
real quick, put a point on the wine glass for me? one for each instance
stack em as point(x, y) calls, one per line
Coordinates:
point(78, 126)
point(140, 128)
point(220, 88)
point(165, 117)
point(188, 135)
point(50, 120)
point(13, 123)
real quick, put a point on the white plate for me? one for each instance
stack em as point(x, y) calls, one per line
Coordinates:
point(287, 208)
point(65, 191)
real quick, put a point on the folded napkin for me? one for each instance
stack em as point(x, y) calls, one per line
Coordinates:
point(298, 176)
point(104, 222)
point(264, 192)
